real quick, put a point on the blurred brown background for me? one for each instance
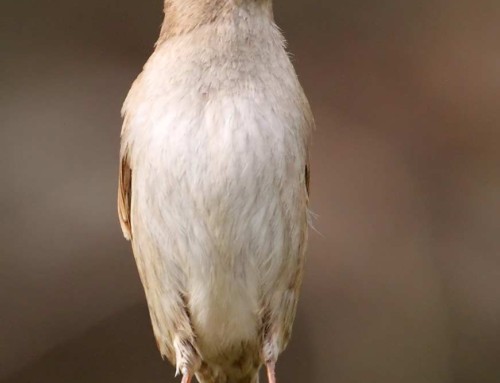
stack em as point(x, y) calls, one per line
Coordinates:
point(403, 281)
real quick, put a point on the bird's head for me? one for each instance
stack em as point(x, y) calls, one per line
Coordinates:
point(182, 16)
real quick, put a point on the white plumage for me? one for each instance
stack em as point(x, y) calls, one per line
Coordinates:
point(213, 189)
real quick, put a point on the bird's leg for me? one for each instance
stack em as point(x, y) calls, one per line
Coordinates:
point(186, 378)
point(187, 359)
point(271, 375)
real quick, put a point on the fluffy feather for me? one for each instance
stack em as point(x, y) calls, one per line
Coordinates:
point(213, 188)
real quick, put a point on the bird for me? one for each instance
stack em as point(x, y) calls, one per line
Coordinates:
point(213, 188)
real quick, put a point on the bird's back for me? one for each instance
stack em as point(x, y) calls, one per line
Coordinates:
point(215, 137)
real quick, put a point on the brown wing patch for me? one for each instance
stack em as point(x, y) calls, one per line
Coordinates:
point(124, 196)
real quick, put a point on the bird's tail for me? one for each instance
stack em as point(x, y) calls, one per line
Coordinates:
point(225, 379)
point(207, 376)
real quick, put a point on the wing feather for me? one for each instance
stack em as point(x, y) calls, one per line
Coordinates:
point(308, 177)
point(124, 195)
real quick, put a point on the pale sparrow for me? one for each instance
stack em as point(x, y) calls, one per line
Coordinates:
point(213, 188)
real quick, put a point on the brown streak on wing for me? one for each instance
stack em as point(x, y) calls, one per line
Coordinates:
point(124, 196)
point(308, 177)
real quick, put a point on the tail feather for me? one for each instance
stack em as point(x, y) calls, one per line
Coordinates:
point(225, 379)
point(208, 375)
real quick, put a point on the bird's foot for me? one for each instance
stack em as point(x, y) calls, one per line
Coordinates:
point(271, 375)
point(186, 377)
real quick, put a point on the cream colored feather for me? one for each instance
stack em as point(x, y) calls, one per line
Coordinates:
point(213, 188)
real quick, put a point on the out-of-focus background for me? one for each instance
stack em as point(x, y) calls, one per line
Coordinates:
point(403, 278)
